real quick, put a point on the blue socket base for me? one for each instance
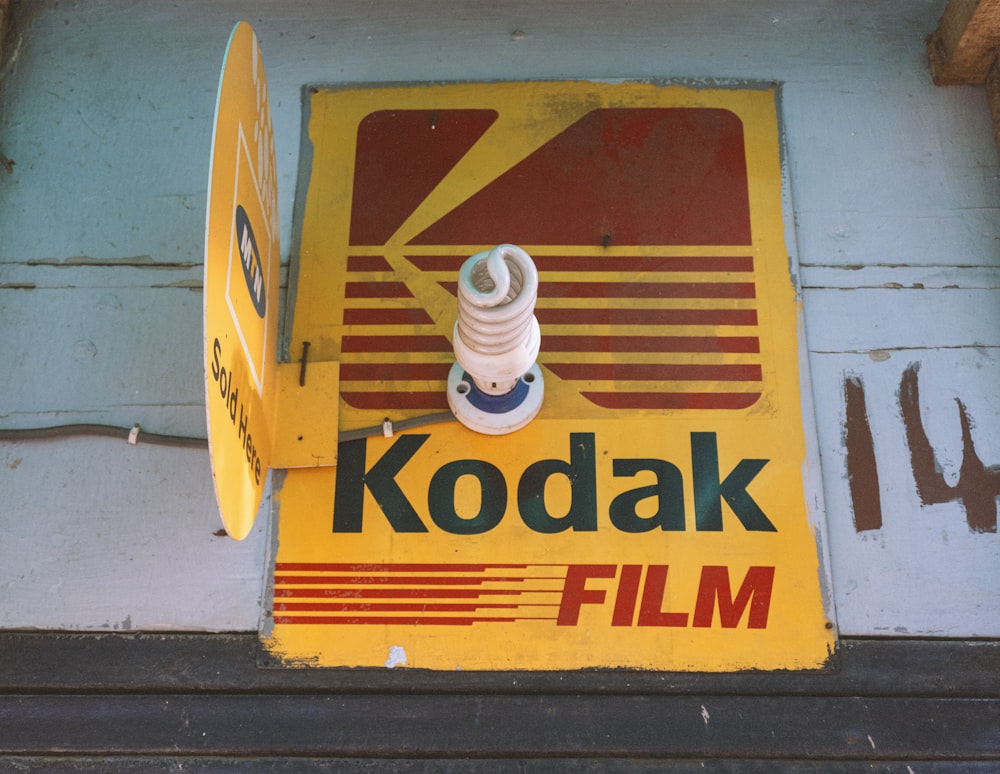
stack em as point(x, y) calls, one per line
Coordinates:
point(495, 414)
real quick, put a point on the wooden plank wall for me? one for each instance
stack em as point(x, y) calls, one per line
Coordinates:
point(111, 554)
point(892, 215)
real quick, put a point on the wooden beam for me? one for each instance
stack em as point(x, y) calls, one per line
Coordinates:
point(993, 97)
point(965, 49)
point(4, 7)
point(964, 45)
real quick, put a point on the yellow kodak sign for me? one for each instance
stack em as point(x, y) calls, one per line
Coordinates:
point(653, 514)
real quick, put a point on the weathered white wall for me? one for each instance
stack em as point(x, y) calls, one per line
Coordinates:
point(107, 108)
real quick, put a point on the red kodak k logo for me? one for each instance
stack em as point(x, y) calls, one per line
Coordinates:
point(638, 219)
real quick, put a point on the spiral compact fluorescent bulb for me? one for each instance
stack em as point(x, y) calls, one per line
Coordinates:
point(495, 387)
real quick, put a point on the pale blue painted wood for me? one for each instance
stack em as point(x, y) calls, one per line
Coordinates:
point(107, 113)
point(102, 535)
point(104, 354)
point(925, 572)
point(117, 107)
point(851, 320)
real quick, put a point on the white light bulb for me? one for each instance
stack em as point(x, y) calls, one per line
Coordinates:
point(495, 387)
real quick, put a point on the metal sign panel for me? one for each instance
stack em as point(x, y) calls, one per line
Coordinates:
point(242, 260)
point(653, 514)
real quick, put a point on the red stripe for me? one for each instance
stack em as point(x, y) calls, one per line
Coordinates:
point(367, 593)
point(360, 344)
point(391, 372)
point(557, 316)
point(436, 401)
point(636, 289)
point(400, 580)
point(687, 263)
point(449, 263)
point(395, 344)
point(672, 372)
point(562, 316)
point(377, 290)
point(671, 400)
point(386, 317)
point(400, 607)
point(389, 620)
point(368, 263)
point(650, 344)
point(646, 290)
point(394, 567)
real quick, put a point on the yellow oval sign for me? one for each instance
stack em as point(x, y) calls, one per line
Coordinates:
point(242, 260)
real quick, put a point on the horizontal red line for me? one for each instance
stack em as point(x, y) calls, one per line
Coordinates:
point(386, 317)
point(646, 290)
point(672, 400)
point(377, 290)
point(401, 620)
point(370, 344)
point(672, 372)
point(637, 289)
point(686, 263)
point(393, 372)
point(650, 344)
point(451, 263)
point(386, 607)
point(400, 580)
point(394, 567)
point(383, 593)
point(395, 344)
point(561, 316)
point(368, 263)
point(437, 401)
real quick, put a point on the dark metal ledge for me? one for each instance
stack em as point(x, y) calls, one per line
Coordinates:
point(205, 702)
point(62, 662)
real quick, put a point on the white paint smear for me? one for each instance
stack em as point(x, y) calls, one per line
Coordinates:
point(397, 657)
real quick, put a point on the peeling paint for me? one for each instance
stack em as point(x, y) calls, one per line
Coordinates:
point(397, 657)
point(140, 261)
point(188, 284)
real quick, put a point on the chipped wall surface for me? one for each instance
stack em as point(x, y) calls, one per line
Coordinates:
point(105, 116)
